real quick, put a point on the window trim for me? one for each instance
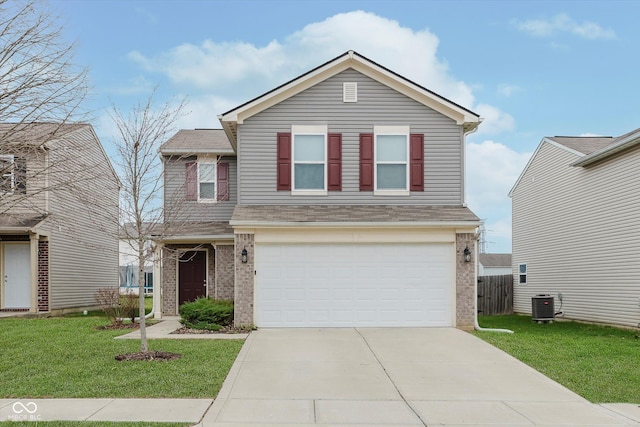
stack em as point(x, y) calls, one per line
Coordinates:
point(392, 130)
point(12, 162)
point(208, 161)
point(316, 130)
point(521, 275)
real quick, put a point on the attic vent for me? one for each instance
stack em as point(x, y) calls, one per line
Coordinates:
point(349, 92)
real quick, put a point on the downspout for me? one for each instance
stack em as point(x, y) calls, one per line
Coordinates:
point(475, 304)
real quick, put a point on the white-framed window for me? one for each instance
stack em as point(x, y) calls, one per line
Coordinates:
point(391, 155)
point(7, 176)
point(309, 159)
point(522, 274)
point(207, 189)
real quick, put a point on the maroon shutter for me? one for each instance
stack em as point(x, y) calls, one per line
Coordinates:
point(223, 181)
point(366, 162)
point(191, 180)
point(416, 163)
point(335, 162)
point(284, 161)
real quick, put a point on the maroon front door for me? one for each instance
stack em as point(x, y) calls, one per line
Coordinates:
point(192, 276)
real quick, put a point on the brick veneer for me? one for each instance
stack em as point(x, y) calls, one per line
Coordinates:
point(220, 274)
point(244, 276)
point(225, 272)
point(43, 276)
point(465, 281)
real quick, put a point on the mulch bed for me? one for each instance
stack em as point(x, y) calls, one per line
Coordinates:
point(149, 355)
point(223, 330)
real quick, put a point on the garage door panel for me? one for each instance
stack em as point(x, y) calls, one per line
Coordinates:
point(343, 285)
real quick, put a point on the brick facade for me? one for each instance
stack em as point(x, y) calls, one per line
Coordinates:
point(220, 273)
point(465, 282)
point(225, 272)
point(244, 278)
point(43, 276)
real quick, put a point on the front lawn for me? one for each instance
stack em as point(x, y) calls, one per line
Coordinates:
point(600, 363)
point(68, 357)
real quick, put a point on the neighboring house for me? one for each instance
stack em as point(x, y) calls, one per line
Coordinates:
point(334, 200)
point(494, 264)
point(58, 212)
point(576, 227)
point(129, 271)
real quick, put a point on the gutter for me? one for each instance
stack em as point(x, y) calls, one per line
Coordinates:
point(361, 224)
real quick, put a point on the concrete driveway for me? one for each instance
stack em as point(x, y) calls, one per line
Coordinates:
point(395, 377)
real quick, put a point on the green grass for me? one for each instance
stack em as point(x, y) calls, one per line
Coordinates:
point(68, 357)
point(598, 362)
point(88, 424)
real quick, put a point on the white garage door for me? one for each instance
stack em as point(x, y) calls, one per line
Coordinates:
point(344, 285)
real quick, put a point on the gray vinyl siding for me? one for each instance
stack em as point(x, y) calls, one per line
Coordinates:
point(377, 105)
point(83, 224)
point(578, 231)
point(178, 209)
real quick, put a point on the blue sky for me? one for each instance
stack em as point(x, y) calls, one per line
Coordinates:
point(530, 68)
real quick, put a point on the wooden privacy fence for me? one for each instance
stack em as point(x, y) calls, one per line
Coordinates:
point(495, 295)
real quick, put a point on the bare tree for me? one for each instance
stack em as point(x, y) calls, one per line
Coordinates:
point(140, 133)
point(39, 84)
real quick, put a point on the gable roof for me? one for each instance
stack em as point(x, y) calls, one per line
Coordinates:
point(495, 260)
point(467, 118)
point(583, 144)
point(198, 141)
point(588, 149)
point(621, 143)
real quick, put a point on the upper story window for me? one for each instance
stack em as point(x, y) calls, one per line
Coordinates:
point(309, 154)
point(7, 178)
point(391, 158)
point(207, 181)
point(309, 161)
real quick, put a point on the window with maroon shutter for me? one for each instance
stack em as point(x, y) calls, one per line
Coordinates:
point(335, 162)
point(416, 155)
point(191, 182)
point(284, 161)
point(223, 181)
point(366, 162)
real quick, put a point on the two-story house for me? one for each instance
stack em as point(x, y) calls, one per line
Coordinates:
point(334, 200)
point(58, 218)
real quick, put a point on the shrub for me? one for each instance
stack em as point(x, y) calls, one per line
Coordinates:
point(206, 313)
point(129, 306)
point(108, 299)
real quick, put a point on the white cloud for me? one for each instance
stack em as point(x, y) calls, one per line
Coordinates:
point(563, 23)
point(242, 70)
point(508, 90)
point(494, 121)
point(492, 170)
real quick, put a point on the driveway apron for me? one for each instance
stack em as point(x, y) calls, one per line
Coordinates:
point(394, 377)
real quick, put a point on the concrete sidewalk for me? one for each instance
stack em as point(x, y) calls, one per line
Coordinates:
point(151, 410)
point(164, 329)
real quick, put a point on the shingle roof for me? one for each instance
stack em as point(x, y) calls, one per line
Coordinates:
point(188, 141)
point(495, 260)
point(194, 229)
point(350, 214)
point(584, 144)
point(35, 134)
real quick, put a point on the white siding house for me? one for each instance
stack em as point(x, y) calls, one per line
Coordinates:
point(576, 227)
point(494, 264)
